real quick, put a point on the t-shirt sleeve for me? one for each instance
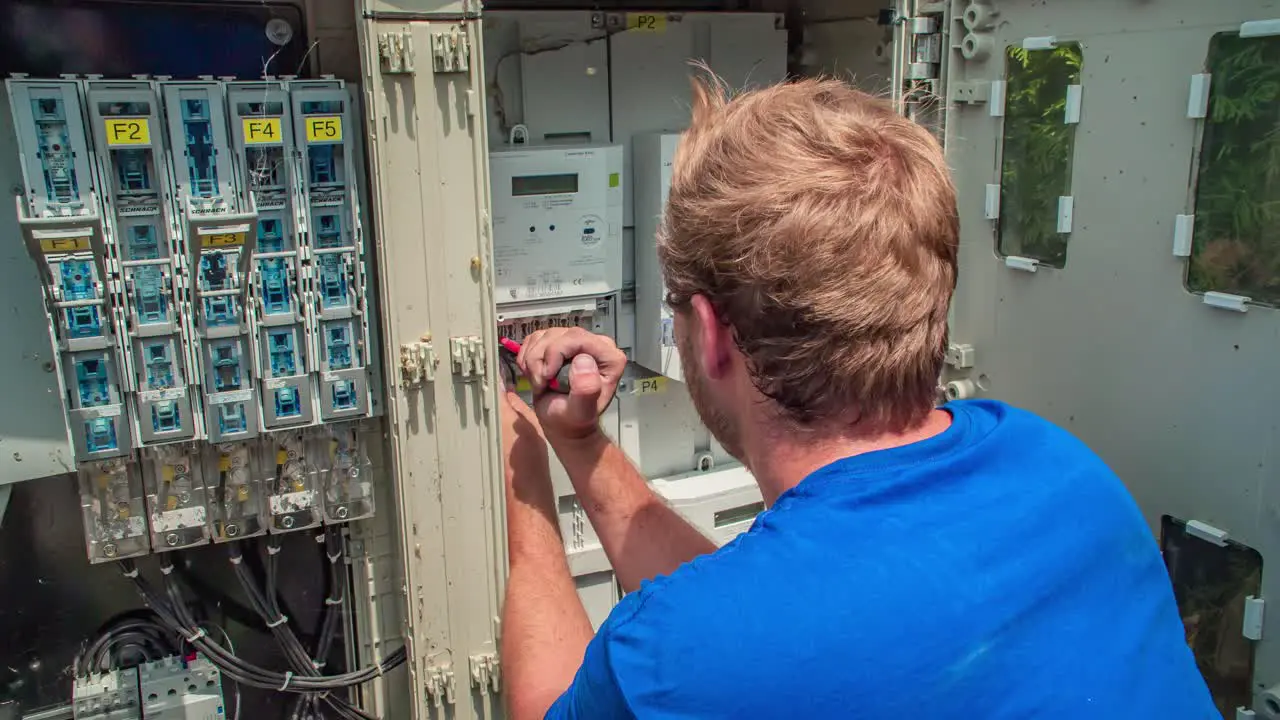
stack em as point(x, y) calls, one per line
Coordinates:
point(597, 689)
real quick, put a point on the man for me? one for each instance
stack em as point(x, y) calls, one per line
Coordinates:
point(972, 561)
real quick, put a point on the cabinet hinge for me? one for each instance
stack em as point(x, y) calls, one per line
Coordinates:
point(441, 687)
point(418, 363)
point(467, 354)
point(451, 50)
point(395, 53)
point(486, 673)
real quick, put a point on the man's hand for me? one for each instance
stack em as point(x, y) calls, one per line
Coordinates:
point(597, 366)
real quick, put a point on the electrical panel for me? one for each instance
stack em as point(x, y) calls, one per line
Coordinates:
point(655, 344)
point(201, 252)
point(587, 561)
point(557, 221)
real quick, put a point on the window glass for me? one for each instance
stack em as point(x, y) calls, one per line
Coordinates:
point(1210, 583)
point(1035, 162)
point(1236, 244)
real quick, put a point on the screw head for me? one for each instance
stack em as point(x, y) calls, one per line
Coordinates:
point(109, 550)
point(233, 530)
point(342, 512)
point(286, 522)
point(171, 539)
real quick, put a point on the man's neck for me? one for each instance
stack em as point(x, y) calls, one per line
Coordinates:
point(780, 461)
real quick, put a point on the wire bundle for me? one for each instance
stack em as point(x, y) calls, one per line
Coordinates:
point(170, 607)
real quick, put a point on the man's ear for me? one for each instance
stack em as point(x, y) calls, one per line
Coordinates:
point(715, 339)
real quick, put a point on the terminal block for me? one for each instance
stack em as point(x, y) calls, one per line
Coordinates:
point(263, 137)
point(218, 229)
point(235, 487)
point(129, 145)
point(322, 111)
point(175, 497)
point(113, 509)
point(63, 232)
point(293, 502)
point(348, 470)
point(108, 696)
point(178, 689)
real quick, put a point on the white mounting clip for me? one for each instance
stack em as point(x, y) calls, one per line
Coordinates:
point(418, 363)
point(468, 356)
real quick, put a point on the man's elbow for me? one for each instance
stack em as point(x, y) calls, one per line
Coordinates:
point(529, 703)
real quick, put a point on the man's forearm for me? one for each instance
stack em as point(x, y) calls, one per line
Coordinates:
point(545, 629)
point(641, 534)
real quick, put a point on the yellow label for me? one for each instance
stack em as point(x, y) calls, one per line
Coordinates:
point(651, 386)
point(262, 131)
point(224, 463)
point(61, 245)
point(282, 457)
point(128, 131)
point(647, 22)
point(324, 129)
point(222, 240)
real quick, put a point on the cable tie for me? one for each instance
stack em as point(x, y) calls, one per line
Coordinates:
point(333, 559)
point(200, 634)
point(320, 664)
point(131, 574)
point(278, 622)
point(166, 569)
point(378, 665)
point(235, 559)
point(320, 539)
point(333, 601)
point(273, 549)
point(288, 676)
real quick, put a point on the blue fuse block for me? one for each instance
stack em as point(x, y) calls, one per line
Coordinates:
point(333, 281)
point(165, 417)
point(100, 435)
point(231, 418)
point(93, 382)
point(287, 402)
point(275, 286)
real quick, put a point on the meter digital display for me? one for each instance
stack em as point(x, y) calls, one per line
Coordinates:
point(524, 185)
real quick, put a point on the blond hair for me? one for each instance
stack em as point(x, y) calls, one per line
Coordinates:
point(822, 227)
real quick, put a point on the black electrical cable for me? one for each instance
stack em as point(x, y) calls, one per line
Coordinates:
point(177, 617)
point(269, 609)
point(139, 633)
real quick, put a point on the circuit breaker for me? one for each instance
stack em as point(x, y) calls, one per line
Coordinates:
point(201, 252)
point(655, 347)
point(557, 221)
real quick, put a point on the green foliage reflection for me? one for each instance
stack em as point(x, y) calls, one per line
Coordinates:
point(1237, 231)
point(1035, 165)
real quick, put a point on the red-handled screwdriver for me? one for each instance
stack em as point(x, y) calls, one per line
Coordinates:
point(560, 383)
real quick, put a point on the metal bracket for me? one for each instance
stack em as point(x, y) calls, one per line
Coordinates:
point(486, 673)
point(468, 356)
point(441, 688)
point(418, 363)
point(1183, 227)
point(395, 51)
point(972, 91)
point(960, 356)
point(451, 50)
point(1253, 613)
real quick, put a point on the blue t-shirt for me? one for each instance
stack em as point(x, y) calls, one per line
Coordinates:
point(996, 570)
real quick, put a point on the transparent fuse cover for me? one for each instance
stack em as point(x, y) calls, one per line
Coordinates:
point(176, 501)
point(114, 510)
point(293, 501)
point(236, 503)
point(345, 462)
